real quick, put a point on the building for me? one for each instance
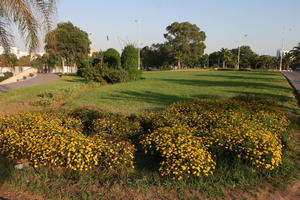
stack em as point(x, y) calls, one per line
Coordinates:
point(282, 52)
point(16, 51)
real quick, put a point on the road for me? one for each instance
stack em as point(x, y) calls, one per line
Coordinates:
point(39, 79)
point(294, 78)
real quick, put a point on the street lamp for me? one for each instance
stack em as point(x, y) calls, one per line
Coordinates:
point(138, 45)
point(239, 51)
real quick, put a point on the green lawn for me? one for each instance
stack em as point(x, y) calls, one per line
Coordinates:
point(161, 88)
point(30, 93)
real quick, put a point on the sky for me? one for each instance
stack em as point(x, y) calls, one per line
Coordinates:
point(267, 23)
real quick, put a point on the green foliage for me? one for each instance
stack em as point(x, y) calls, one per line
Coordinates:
point(67, 43)
point(8, 60)
point(24, 61)
point(116, 76)
point(95, 74)
point(134, 74)
point(129, 58)
point(187, 43)
point(157, 56)
point(6, 76)
point(112, 58)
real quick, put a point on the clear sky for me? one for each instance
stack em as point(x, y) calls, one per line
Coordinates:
point(266, 22)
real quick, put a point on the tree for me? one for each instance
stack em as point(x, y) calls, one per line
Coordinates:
point(112, 58)
point(27, 15)
point(187, 43)
point(265, 62)
point(295, 54)
point(226, 57)
point(247, 56)
point(24, 61)
point(156, 56)
point(8, 60)
point(68, 44)
point(203, 61)
point(129, 60)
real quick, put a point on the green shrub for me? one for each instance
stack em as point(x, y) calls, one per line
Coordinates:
point(112, 58)
point(129, 58)
point(95, 74)
point(134, 74)
point(116, 76)
point(8, 74)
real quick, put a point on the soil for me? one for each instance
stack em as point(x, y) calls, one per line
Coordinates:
point(15, 195)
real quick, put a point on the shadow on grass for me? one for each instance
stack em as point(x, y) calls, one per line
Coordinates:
point(5, 172)
point(155, 97)
point(254, 77)
point(242, 84)
point(279, 98)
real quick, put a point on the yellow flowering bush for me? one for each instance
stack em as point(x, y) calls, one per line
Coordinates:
point(116, 126)
point(251, 128)
point(183, 154)
point(43, 139)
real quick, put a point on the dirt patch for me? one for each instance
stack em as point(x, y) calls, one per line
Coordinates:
point(14, 195)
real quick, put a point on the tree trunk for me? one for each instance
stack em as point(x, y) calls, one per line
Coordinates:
point(63, 65)
point(179, 64)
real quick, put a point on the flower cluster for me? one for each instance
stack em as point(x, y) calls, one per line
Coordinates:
point(183, 154)
point(249, 128)
point(116, 126)
point(43, 139)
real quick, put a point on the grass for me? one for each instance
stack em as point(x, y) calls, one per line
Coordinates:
point(29, 94)
point(159, 89)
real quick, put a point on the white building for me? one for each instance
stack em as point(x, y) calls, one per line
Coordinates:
point(282, 52)
point(16, 51)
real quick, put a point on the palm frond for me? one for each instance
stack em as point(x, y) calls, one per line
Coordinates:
point(26, 14)
point(5, 35)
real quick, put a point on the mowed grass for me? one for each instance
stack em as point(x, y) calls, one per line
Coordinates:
point(161, 88)
point(30, 93)
point(156, 90)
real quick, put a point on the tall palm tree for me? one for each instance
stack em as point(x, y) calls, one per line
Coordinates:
point(295, 53)
point(30, 16)
point(225, 56)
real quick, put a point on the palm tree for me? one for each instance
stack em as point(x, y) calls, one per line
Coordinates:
point(29, 16)
point(295, 54)
point(225, 56)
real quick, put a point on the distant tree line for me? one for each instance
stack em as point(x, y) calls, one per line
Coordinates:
point(183, 48)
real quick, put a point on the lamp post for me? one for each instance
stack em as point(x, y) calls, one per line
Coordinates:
point(138, 45)
point(239, 51)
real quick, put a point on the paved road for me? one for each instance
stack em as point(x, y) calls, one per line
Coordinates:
point(294, 78)
point(39, 79)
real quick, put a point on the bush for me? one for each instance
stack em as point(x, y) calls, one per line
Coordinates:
point(116, 76)
point(8, 74)
point(112, 58)
point(248, 127)
point(116, 125)
point(184, 155)
point(129, 58)
point(134, 75)
point(96, 73)
point(44, 139)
